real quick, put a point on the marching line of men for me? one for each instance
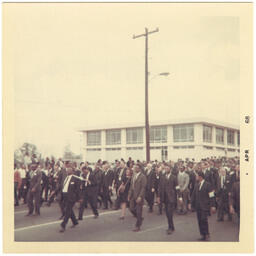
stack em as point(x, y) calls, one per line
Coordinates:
point(200, 187)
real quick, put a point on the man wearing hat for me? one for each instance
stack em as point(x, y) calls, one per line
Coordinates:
point(202, 200)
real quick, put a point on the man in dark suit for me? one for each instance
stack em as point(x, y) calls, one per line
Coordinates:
point(70, 194)
point(160, 175)
point(88, 193)
point(203, 200)
point(208, 176)
point(136, 195)
point(61, 176)
point(98, 174)
point(150, 189)
point(168, 193)
point(34, 189)
point(107, 180)
point(222, 197)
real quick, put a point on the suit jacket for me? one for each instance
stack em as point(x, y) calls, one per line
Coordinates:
point(192, 180)
point(60, 180)
point(35, 181)
point(235, 196)
point(183, 181)
point(208, 176)
point(107, 178)
point(138, 187)
point(168, 188)
point(73, 193)
point(215, 176)
point(226, 186)
point(201, 199)
point(151, 179)
point(90, 189)
point(98, 174)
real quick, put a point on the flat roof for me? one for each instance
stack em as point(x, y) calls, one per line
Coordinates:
point(159, 123)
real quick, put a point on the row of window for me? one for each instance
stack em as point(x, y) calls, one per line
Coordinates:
point(181, 133)
point(162, 148)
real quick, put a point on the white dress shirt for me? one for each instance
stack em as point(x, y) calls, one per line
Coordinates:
point(66, 183)
point(201, 184)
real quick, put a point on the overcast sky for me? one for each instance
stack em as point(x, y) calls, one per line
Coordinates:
point(77, 65)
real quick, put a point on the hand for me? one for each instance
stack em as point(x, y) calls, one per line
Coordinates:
point(180, 199)
point(80, 201)
point(128, 199)
point(158, 200)
point(138, 200)
point(153, 190)
point(189, 207)
point(213, 210)
point(33, 190)
point(110, 188)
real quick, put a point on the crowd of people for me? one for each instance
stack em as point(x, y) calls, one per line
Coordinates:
point(204, 187)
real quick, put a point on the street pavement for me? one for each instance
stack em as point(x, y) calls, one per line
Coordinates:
point(108, 227)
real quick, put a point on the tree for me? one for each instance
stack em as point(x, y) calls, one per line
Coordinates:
point(26, 149)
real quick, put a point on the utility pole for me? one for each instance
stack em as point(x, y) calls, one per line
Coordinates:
point(146, 89)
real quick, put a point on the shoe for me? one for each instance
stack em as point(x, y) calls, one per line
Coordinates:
point(16, 204)
point(80, 218)
point(61, 217)
point(62, 230)
point(121, 218)
point(29, 214)
point(36, 214)
point(96, 216)
point(74, 225)
point(203, 238)
point(207, 238)
point(169, 231)
point(137, 229)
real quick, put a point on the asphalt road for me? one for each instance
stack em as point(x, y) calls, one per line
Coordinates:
point(108, 227)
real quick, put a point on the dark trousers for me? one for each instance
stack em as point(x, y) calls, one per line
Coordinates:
point(62, 206)
point(92, 199)
point(45, 189)
point(68, 211)
point(169, 208)
point(150, 198)
point(202, 218)
point(30, 200)
point(16, 193)
point(183, 206)
point(223, 208)
point(136, 210)
point(106, 197)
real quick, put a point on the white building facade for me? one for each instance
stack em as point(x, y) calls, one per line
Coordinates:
point(187, 139)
